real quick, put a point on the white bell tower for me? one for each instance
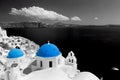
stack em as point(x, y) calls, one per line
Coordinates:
point(71, 60)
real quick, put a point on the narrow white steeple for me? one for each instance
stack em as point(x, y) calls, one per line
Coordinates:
point(71, 59)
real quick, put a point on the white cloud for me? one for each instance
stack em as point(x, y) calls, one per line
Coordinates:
point(38, 13)
point(116, 69)
point(75, 18)
point(95, 18)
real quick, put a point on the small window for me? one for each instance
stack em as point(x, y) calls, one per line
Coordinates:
point(14, 65)
point(72, 60)
point(50, 63)
point(71, 54)
point(40, 63)
point(69, 60)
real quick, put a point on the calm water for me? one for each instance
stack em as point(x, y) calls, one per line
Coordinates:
point(97, 49)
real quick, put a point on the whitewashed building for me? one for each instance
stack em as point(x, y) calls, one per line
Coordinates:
point(14, 58)
point(49, 56)
point(3, 32)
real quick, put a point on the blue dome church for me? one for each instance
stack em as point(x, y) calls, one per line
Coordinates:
point(15, 56)
point(48, 56)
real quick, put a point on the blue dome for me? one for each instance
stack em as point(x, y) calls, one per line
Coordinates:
point(48, 50)
point(15, 53)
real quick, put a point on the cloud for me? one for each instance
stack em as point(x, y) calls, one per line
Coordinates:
point(115, 68)
point(95, 18)
point(75, 18)
point(38, 13)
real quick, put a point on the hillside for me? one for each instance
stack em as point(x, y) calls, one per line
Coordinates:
point(9, 42)
point(23, 25)
point(46, 25)
point(36, 25)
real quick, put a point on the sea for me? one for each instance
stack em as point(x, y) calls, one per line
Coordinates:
point(97, 49)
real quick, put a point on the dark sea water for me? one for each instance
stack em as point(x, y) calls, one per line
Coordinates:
point(97, 48)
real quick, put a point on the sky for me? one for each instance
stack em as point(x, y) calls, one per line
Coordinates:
point(84, 12)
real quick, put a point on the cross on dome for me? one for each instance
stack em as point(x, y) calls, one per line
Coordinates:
point(48, 42)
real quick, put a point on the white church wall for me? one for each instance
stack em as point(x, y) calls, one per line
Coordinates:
point(45, 61)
